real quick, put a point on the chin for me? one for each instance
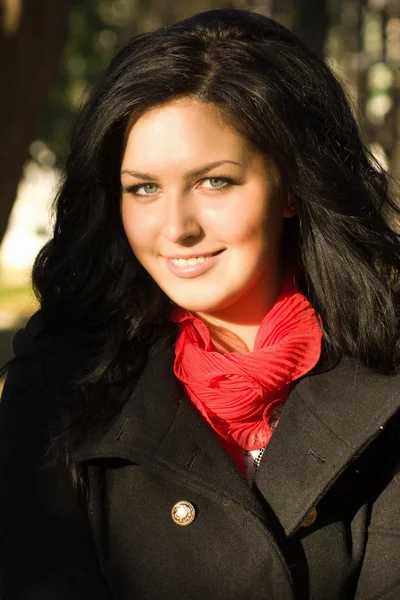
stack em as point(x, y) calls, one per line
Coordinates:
point(197, 305)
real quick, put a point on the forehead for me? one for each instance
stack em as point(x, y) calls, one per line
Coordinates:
point(185, 133)
point(184, 121)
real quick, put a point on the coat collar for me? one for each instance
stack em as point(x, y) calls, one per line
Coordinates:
point(328, 420)
point(159, 426)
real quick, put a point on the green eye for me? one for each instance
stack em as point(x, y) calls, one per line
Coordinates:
point(213, 179)
point(149, 185)
point(219, 184)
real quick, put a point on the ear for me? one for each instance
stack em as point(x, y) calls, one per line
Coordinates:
point(289, 208)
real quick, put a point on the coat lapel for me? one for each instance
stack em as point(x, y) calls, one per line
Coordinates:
point(160, 426)
point(328, 420)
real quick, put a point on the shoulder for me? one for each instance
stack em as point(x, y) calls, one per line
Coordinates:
point(351, 387)
point(39, 385)
point(37, 337)
point(356, 404)
point(44, 360)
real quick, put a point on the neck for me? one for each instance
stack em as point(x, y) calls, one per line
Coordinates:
point(235, 328)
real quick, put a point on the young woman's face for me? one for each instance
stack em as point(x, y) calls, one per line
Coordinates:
point(200, 209)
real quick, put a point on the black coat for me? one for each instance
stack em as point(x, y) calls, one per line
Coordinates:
point(322, 522)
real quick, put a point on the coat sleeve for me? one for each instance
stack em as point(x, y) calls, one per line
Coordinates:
point(46, 546)
point(380, 574)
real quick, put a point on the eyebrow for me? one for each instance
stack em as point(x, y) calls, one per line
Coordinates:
point(188, 175)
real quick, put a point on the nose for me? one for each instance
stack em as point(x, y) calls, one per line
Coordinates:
point(180, 219)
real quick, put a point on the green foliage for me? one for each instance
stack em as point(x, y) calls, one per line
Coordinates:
point(96, 29)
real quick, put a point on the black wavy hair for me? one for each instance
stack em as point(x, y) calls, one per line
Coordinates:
point(285, 100)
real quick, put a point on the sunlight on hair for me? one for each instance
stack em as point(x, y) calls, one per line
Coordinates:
point(380, 155)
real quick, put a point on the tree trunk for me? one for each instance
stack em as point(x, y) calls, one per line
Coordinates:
point(32, 36)
point(313, 23)
point(308, 19)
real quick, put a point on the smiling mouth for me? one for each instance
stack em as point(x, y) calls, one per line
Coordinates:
point(194, 260)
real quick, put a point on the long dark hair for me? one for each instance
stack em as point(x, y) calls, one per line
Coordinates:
point(286, 101)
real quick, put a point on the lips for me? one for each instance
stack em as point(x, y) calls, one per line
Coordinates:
point(188, 271)
point(198, 255)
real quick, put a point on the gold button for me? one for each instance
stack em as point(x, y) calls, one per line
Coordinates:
point(183, 513)
point(310, 518)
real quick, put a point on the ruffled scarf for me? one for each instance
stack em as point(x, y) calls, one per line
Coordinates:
point(237, 393)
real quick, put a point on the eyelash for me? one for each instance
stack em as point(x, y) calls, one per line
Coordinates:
point(132, 189)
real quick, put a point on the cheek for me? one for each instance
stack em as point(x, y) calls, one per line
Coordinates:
point(257, 225)
point(139, 228)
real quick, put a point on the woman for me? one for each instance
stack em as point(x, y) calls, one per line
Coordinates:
point(206, 404)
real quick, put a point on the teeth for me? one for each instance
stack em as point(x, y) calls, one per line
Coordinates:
point(183, 262)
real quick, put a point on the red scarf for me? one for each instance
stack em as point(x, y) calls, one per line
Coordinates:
point(237, 393)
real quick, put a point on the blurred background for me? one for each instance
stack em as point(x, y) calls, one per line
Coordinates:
point(51, 53)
